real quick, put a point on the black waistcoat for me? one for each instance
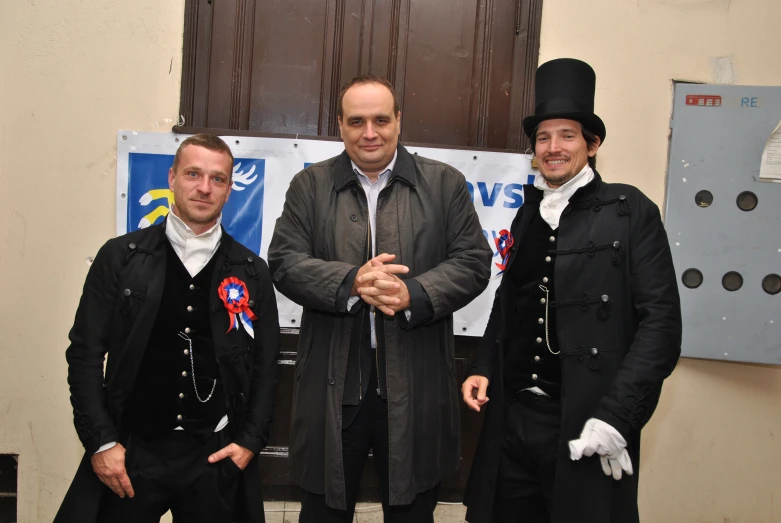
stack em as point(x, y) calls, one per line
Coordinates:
point(529, 362)
point(163, 396)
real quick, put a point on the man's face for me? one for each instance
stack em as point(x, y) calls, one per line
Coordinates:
point(201, 186)
point(369, 128)
point(561, 150)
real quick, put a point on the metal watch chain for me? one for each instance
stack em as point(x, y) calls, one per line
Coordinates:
point(192, 370)
point(547, 339)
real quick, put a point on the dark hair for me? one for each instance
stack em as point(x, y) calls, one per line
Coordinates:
point(207, 141)
point(590, 138)
point(367, 79)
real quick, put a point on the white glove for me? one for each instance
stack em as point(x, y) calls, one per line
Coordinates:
point(601, 438)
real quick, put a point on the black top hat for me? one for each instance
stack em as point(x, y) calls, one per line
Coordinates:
point(564, 88)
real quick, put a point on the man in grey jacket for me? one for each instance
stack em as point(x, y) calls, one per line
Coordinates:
point(380, 247)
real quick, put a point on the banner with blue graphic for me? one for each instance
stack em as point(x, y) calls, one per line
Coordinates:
point(262, 172)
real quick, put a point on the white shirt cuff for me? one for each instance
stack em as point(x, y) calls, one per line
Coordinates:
point(107, 446)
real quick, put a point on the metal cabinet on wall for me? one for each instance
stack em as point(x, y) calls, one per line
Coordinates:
point(723, 222)
point(463, 71)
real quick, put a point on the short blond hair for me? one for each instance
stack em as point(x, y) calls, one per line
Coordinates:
point(207, 141)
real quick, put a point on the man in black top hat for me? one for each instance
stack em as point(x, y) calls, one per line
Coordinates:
point(584, 328)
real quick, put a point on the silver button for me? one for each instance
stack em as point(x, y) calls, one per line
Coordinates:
point(187, 330)
point(547, 259)
point(534, 377)
point(179, 417)
point(545, 280)
point(189, 308)
point(186, 352)
point(184, 373)
point(542, 300)
point(539, 340)
point(594, 351)
point(536, 358)
point(552, 239)
point(192, 287)
point(181, 395)
point(540, 321)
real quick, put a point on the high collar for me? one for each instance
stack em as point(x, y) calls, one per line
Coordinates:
point(179, 232)
point(404, 170)
point(534, 195)
point(160, 237)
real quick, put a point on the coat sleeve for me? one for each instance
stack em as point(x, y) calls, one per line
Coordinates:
point(296, 271)
point(656, 347)
point(487, 351)
point(259, 414)
point(466, 269)
point(89, 341)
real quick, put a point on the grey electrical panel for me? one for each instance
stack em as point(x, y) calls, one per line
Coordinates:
point(723, 222)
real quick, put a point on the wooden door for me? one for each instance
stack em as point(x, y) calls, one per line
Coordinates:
point(463, 71)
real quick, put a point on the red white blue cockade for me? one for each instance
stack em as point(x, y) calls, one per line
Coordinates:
point(503, 244)
point(235, 296)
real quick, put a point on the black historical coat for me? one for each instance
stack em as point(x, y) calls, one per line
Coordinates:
point(611, 246)
point(114, 319)
point(426, 218)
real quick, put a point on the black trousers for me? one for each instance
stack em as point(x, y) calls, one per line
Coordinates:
point(368, 430)
point(173, 473)
point(529, 454)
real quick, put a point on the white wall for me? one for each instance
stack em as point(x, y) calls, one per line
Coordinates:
point(709, 453)
point(72, 72)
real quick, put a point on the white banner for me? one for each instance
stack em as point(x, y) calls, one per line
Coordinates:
point(262, 172)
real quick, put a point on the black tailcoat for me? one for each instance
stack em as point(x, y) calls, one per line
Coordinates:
point(117, 311)
point(619, 330)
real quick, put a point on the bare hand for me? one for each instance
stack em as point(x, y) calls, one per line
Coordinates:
point(474, 389)
point(109, 466)
point(240, 455)
point(387, 292)
point(378, 264)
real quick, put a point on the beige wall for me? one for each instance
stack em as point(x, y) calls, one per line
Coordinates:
point(72, 72)
point(710, 453)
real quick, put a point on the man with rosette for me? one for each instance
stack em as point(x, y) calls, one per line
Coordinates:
point(186, 320)
point(585, 327)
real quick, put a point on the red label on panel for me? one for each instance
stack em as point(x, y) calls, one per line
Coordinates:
point(703, 100)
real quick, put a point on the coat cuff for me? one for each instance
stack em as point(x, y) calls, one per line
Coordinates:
point(604, 413)
point(250, 441)
point(420, 308)
point(343, 293)
point(94, 442)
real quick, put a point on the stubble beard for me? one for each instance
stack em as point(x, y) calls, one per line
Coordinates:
point(557, 180)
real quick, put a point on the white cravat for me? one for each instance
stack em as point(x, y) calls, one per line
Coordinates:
point(195, 250)
point(554, 201)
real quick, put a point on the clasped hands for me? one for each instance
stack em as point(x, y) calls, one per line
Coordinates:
point(377, 284)
point(109, 466)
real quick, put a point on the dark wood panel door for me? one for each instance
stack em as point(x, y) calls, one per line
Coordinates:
point(463, 71)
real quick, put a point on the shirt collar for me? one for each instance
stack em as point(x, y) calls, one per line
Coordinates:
point(388, 169)
point(179, 232)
